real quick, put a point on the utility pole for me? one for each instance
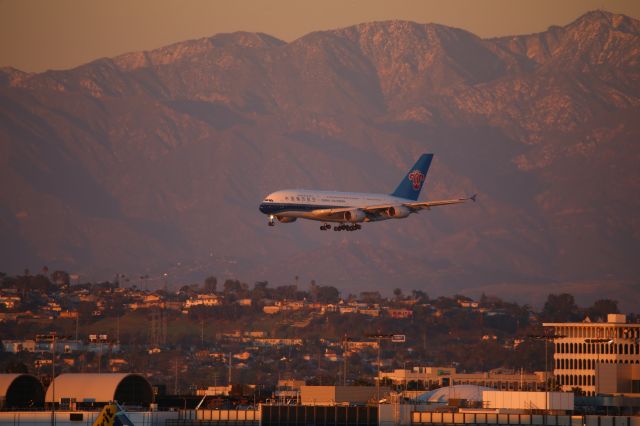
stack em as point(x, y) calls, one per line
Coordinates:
point(175, 384)
point(53, 381)
point(378, 374)
point(229, 379)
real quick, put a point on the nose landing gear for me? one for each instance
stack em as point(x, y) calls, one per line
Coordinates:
point(271, 220)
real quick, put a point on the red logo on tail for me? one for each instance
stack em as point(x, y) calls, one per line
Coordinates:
point(416, 177)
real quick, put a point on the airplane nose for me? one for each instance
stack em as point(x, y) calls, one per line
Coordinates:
point(262, 208)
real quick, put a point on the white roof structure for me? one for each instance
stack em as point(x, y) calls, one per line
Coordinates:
point(443, 395)
point(126, 388)
point(20, 391)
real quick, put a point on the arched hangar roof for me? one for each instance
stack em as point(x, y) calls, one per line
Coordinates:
point(21, 391)
point(443, 395)
point(126, 388)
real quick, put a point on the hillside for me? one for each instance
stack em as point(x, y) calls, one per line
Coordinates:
point(154, 162)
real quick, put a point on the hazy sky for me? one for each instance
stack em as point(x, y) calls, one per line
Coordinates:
point(36, 35)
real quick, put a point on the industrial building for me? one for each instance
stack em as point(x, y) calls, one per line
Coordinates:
point(20, 391)
point(76, 390)
point(346, 406)
point(335, 395)
point(587, 355)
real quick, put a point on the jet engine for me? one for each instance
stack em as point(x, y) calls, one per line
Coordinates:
point(285, 219)
point(397, 212)
point(354, 216)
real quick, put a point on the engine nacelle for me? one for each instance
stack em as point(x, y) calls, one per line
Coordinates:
point(397, 212)
point(286, 219)
point(354, 216)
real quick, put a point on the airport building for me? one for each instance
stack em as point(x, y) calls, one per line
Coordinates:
point(20, 391)
point(76, 390)
point(597, 358)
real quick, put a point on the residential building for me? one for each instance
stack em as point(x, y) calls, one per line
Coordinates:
point(400, 313)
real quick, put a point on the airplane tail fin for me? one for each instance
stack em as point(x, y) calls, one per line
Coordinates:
point(411, 184)
point(107, 416)
point(112, 414)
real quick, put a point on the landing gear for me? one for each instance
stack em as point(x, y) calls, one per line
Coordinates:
point(325, 227)
point(347, 227)
point(271, 220)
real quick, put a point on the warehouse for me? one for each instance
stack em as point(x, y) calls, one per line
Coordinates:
point(20, 391)
point(127, 389)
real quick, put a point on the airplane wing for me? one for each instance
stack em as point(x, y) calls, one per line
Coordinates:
point(419, 205)
point(375, 211)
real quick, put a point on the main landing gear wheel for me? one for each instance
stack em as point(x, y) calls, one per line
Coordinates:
point(325, 227)
point(352, 227)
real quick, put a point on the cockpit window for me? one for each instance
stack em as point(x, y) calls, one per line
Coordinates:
point(269, 200)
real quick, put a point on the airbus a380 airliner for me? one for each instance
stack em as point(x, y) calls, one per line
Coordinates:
point(351, 208)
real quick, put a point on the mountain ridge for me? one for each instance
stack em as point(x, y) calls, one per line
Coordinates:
point(155, 161)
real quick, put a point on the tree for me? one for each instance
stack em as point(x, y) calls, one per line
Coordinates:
point(560, 308)
point(397, 293)
point(577, 391)
point(420, 296)
point(60, 278)
point(601, 308)
point(370, 297)
point(210, 284)
point(287, 291)
point(327, 294)
point(260, 290)
point(232, 286)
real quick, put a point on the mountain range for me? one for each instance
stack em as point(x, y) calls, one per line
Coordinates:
point(154, 163)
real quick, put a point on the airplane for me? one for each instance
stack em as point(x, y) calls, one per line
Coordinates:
point(349, 209)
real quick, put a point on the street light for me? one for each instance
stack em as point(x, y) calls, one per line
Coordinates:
point(546, 338)
point(397, 338)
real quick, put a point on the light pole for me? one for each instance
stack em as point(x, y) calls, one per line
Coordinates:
point(345, 341)
point(397, 338)
point(546, 338)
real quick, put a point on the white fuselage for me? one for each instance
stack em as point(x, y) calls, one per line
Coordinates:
point(302, 203)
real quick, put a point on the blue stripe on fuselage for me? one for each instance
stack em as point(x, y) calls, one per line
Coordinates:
point(276, 208)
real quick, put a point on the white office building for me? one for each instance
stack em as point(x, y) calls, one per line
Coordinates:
point(583, 349)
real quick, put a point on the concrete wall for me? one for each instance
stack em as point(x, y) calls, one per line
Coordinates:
point(520, 419)
point(617, 378)
point(528, 400)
